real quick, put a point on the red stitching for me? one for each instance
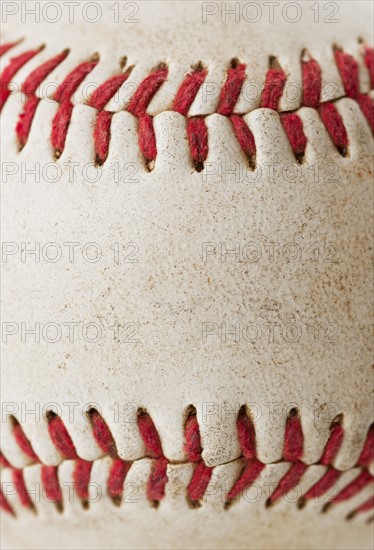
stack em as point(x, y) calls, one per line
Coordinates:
point(147, 137)
point(98, 100)
point(5, 47)
point(365, 507)
point(19, 484)
point(60, 437)
point(312, 83)
point(4, 504)
point(63, 94)
point(334, 125)
point(333, 444)
point(293, 127)
point(9, 72)
point(323, 485)
point(201, 476)
point(253, 467)
point(369, 62)
point(198, 139)
point(275, 81)
point(51, 485)
point(367, 454)
point(231, 89)
point(273, 88)
point(188, 90)
point(363, 479)
point(22, 441)
point(202, 473)
point(29, 88)
point(81, 477)
point(158, 477)
point(245, 138)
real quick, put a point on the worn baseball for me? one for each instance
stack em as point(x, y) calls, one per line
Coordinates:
point(186, 255)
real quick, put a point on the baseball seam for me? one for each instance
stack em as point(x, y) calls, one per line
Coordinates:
point(201, 476)
point(196, 128)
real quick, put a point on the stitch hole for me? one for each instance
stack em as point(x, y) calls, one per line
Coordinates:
point(190, 411)
point(50, 416)
point(102, 433)
point(301, 503)
point(293, 412)
point(59, 507)
point(274, 63)
point(338, 420)
point(350, 516)
point(326, 507)
point(123, 61)
point(234, 62)
point(198, 67)
point(268, 503)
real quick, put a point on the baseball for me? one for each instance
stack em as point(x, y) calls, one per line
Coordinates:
point(187, 239)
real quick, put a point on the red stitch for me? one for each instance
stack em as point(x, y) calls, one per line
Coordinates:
point(147, 137)
point(25, 119)
point(3, 461)
point(102, 434)
point(60, 125)
point(192, 446)
point(145, 92)
point(250, 473)
point(51, 485)
point(29, 87)
point(334, 125)
point(60, 437)
point(188, 90)
point(81, 478)
point(63, 94)
point(293, 127)
point(363, 479)
point(20, 487)
point(324, 484)
point(157, 480)
point(244, 136)
point(102, 135)
point(149, 435)
point(367, 107)
point(231, 90)
point(246, 434)
point(8, 73)
point(98, 100)
point(5, 47)
point(202, 473)
point(348, 69)
point(199, 482)
point(106, 91)
point(312, 83)
point(273, 89)
point(289, 481)
point(293, 438)
point(37, 76)
point(369, 62)
point(367, 453)
point(4, 504)
point(117, 475)
point(73, 80)
point(333, 444)
point(22, 441)
point(198, 139)
point(366, 506)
